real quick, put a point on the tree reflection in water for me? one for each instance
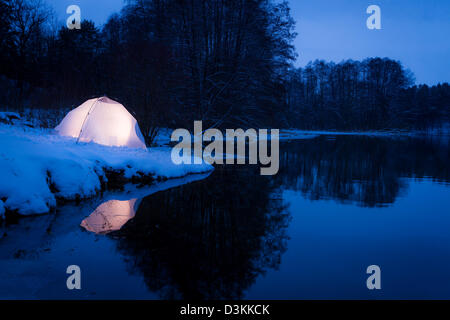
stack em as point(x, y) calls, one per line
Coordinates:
point(367, 171)
point(207, 240)
point(211, 239)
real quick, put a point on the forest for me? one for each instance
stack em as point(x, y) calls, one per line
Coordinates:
point(374, 94)
point(230, 64)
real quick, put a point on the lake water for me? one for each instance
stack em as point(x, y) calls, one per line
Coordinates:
point(337, 205)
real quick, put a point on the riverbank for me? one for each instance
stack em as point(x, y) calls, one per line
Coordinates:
point(39, 168)
point(302, 134)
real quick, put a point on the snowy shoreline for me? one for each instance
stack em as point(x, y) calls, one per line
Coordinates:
point(301, 134)
point(39, 168)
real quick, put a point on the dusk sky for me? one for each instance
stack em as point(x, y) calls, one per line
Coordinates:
point(416, 32)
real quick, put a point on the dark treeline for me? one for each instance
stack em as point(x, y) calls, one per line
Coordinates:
point(228, 63)
point(374, 94)
point(168, 61)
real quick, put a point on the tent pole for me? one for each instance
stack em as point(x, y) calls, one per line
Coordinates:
point(82, 125)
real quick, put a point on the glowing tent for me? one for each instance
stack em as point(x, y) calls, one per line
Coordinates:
point(103, 121)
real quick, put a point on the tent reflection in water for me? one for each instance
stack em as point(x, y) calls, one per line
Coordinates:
point(103, 121)
point(111, 215)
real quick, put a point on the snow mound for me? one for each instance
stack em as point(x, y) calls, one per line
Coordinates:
point(8, 116)
point(13, 118)
point(38, 166)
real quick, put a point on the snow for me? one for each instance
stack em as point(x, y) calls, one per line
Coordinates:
point(297, 135)
point(7, 116)
point(13, 118)
point(287, 134)
point(38, 166)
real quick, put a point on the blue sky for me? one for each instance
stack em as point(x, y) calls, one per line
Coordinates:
point(416, 32)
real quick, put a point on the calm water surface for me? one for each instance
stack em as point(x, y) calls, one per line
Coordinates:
point(337, 205)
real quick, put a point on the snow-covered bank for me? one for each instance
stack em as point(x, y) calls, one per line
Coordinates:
point(37, 167)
